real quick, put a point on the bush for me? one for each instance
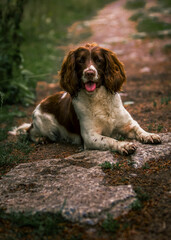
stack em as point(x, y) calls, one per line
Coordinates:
point(13, 85)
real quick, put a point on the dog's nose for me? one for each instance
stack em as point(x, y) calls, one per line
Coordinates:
point(90, 73)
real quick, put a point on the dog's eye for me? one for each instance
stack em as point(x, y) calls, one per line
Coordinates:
point(98, 60)
point(81, 60)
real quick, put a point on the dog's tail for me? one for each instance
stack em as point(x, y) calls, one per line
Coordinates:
point(23, 129)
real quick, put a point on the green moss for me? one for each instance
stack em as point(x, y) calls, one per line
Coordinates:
point(134, 4)
point(152, 25)
point(110, 224)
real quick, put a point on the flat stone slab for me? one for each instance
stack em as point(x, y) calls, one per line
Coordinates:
point(147, 152)
point(75, 185)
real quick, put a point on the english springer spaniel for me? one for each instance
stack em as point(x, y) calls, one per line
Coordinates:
point(90, 109)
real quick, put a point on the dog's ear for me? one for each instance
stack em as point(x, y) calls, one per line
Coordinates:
point(68, 76)
point(114, 72)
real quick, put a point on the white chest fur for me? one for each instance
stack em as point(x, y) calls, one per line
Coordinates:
point(99, 111)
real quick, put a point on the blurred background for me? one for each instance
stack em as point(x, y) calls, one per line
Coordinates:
point(31, 33)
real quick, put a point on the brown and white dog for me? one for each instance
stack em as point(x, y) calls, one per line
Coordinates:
point(90, 109)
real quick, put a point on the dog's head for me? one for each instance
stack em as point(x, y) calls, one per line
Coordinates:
point(89, 67)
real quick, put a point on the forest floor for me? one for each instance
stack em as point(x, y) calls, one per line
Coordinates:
point(146, 96)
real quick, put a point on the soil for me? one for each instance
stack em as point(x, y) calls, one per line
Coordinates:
point(148, 88)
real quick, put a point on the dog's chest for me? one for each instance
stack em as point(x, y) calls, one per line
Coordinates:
point(103, 118)
point(99, 113)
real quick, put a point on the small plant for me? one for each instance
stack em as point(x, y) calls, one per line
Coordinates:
point(106, 165)
point(159, 128)
point(110, 224)
point(136, 205)
point(165, 100)
point(146, 166)
point(141, 195)
point(150, 127)
point(154, 104)
point(116, 165)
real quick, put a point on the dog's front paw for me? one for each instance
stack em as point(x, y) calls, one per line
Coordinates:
point(150, 138)
point(126, 148)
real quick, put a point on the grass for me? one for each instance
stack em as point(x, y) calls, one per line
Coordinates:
point(136, 205)
point(152, 25)
point(134, 4)
point(159, 128)
point(165, 3)
point(41, 224)
point(14, 152)
point(146, 166)
point(136, 16)
point(148, 25)
point(110, 224)
point(141, 198)
point(108, 165)
point(165, 100)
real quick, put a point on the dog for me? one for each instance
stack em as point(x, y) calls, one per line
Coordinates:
point(90, 109)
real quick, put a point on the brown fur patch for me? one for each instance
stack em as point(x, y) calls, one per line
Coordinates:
point(63, 110)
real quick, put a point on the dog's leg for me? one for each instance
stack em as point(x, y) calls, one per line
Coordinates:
point(133, 130)
point(93, 140)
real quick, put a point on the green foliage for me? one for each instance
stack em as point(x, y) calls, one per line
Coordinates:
point(151, 25)
point(136, 205)
point(166, 100)
point(146, 166)
point(148, 25)
point(110, 224)
point(165, 3)
point(136, 16)
point(154, 104)
point(106, 165)
point(134, 4)
point(141, 195)
point(42, 224)
point(13, 86)
point(116, 165)
point(14, 152)
point(30, 35)
point(159, 128)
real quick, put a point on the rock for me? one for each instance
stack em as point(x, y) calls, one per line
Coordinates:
point(147, 152)
point(74, 185)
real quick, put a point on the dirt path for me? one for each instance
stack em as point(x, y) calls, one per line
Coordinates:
point(148, 86)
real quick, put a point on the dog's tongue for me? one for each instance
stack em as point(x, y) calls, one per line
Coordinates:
point(90, 86)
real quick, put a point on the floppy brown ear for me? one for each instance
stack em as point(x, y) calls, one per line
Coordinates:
point(68, 76)
point(114, 72)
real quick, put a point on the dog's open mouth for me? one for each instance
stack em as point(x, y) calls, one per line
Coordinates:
point(90, 86)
